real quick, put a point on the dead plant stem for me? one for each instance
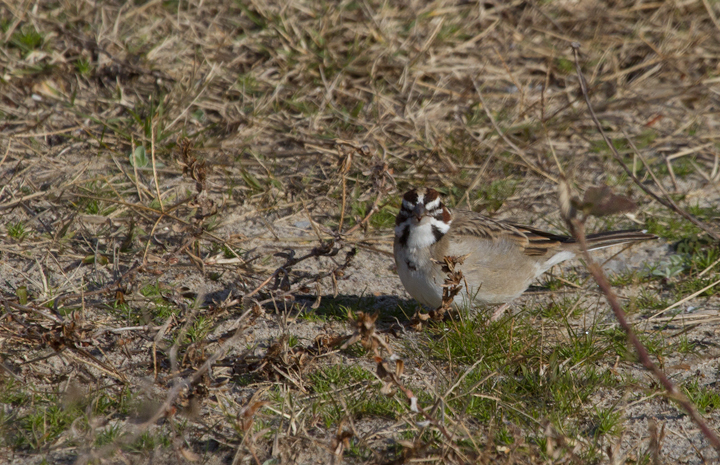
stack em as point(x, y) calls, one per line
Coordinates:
point(667, 201)
point(577, 228)
point(152, 155)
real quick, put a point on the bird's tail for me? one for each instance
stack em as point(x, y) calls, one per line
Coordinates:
point(609, 238)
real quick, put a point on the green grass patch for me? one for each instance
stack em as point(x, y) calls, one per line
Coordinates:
point(492, 196)
point(675, 228)
point(705, 398)
point(16, 230)
point(27, 39)
point(33, 420)
point(149, 441)
point(360, 401)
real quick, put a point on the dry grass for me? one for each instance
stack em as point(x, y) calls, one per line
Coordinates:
point(195, 194)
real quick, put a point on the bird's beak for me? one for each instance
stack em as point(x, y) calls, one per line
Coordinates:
point(419, 211)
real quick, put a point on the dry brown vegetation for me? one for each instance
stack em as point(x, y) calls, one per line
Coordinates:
point(197, 205)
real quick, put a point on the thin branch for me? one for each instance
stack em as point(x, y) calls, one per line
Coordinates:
point(154, 168)
point(668, 202)
point(518, 151)
point(577, 228)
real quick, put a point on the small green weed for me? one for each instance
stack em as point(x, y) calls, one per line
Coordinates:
point(650, 299)
point(336, 380)
point(200, 328)
point(11, 393)
point(681, 167)
point(43, 425)
point(27, 39)
point(599, 146)
point(108, 435)
point(83, 66)
point(336, 376)
point(231, 253)
point(673, 266)
point(685, 346)
point(148, 441)
point(629, 277)
point(564, 65)
point(16, 230)
point(383, 219)
point(293, 341)
point(158, 310)
point(607, 421)
point(493, 195)
point(329, 309)
point(671, 228)
point(472, 339)
point(655, 344)
point(692, 285)
point(705, 398)
point(554, 283)
point(40, 418)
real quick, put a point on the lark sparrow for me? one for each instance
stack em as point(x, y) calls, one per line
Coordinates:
point(503, 259)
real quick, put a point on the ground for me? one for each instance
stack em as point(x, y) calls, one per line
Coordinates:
point(198, 202)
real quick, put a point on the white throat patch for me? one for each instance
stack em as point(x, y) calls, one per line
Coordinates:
point(422, 234)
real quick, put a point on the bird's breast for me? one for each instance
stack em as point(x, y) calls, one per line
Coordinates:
point(419, 275)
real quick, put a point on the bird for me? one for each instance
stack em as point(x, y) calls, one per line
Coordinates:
point(502, 258)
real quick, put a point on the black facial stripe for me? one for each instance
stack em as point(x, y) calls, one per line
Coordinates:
point(401, 217)
point(437, 233)
point(404, 236)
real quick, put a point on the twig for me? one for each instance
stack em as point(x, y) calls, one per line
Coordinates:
point(680, 302)
point(667, 201)
point(711, 13)
point(108, 288)
point(150, 238)
point(374, 209)
point(25, 308)
point(382, 172)
point(577, 228)
point(152, 155)
point(88, 359)
point(344, 200)
point(518, 151)
point(179, 385)
point(712, 265)
point(326, 249)
point(136, 180)
point(7, 150)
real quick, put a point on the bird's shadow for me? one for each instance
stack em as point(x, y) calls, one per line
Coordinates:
point(391, 309)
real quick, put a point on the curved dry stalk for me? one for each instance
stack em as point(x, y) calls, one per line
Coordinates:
point(577, 228)
point(518, 151)
point(667, 201)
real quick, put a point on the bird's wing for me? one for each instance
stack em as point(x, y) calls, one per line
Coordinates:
point(531, 242)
